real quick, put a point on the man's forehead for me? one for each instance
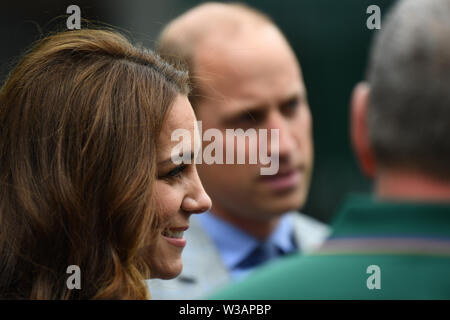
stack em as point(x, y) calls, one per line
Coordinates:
point(229, 91)
point(253, 60)
point(231, 51)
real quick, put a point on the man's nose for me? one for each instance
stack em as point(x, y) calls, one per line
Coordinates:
point(196, 200)
point(286, 142)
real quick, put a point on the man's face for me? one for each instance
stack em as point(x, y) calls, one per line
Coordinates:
point(255, 81)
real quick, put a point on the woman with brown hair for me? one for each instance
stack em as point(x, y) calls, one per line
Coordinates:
point(85, 171)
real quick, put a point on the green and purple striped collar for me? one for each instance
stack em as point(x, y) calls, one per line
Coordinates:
point(366, 226)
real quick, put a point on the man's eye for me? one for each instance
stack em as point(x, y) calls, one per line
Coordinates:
point(249, 118)
point(175, 173)
point(290, 106)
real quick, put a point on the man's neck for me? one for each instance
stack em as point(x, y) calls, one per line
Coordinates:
point(412, 186)
point(260, 229)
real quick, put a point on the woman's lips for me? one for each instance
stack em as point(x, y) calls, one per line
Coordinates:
point(282, 180)
point(176, 242)
point(175, 236)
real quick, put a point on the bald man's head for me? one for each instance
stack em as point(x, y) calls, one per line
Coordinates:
point(211, 19)
point(218, 25)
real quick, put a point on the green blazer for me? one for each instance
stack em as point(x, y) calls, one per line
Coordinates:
point(377, 250)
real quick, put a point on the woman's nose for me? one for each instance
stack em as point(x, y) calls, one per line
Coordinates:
point(197, 204)
point(197, 201)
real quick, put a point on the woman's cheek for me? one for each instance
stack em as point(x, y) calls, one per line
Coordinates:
point(169, 199)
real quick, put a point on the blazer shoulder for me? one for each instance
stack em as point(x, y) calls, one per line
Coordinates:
point(309, 233)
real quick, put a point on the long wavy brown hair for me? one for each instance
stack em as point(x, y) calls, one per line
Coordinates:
point(80, 117)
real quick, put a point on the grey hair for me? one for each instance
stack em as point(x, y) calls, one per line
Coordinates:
point(409, 76)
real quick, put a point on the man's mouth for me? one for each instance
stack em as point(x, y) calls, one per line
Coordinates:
point(283, 180)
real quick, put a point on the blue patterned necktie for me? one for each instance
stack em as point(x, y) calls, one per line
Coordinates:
point(265, 252)
point(262, 254)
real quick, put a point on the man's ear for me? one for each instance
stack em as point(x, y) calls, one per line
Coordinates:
point(359, 129)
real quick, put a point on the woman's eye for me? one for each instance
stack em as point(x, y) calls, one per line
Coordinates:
point(175, 173)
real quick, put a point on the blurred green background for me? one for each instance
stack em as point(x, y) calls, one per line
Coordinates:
point(330, 39)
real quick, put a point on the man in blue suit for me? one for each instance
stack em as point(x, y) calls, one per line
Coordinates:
point(244, 75)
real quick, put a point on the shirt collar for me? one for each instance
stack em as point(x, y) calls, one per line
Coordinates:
point(366, 216)
point(234, 245)
point(282, 236)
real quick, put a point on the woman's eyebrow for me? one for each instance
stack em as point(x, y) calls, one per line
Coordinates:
point(169, 160)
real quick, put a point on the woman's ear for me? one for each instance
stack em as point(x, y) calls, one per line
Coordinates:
point(359, 129)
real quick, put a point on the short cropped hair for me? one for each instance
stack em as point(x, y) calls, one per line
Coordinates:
point(409, 76)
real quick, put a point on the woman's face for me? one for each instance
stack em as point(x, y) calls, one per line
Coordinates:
point(179, 193)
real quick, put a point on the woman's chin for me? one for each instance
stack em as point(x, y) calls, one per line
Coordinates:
point(167, 273)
